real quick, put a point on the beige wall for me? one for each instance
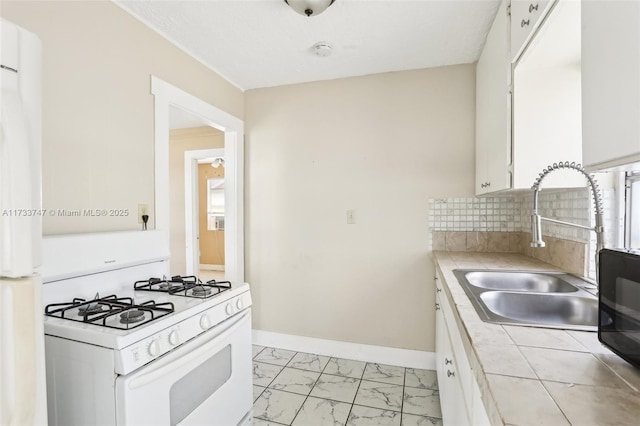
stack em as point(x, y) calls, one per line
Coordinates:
point(182, 140)
point(380, 145)
point(98, 137)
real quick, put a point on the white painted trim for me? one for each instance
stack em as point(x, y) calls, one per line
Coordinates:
point(166, 95)
point(234, 205)
point(192, 231)
point(359, 352)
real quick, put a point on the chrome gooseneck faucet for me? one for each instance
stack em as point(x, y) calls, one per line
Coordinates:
point(536, 231)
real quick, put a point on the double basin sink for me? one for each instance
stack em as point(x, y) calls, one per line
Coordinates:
point(539, 299)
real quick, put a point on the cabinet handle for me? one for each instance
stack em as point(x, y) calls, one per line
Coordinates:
point(532, 7)
point(524, 22)
point(438, 289)
point(485, 185)
point(448, 361)
point(437, 306)
point(450, 373)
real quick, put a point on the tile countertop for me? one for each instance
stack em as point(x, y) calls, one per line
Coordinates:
point(539, 376)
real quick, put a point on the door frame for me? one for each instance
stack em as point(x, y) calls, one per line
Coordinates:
point(166, 96)
point(191, 213)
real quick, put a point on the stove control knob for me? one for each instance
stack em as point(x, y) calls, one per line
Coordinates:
point(174, 338)
point(239, 303)
point(205, 322)
point(154, 348)
point(229, 309)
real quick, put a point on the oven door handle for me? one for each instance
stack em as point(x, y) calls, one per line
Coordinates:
point(195, 357)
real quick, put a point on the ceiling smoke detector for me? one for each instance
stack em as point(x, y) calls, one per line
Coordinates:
point(309, 7)
point(322, 48)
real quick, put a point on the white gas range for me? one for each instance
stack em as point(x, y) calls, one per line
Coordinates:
point(124, 344)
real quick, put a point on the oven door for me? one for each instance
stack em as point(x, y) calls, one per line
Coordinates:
point(205, 381)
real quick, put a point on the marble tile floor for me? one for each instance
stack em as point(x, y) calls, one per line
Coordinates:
point(301, 389)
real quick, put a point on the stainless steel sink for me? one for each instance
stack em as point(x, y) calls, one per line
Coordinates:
point(549, 309)
point(538, 299)
point(519, 281)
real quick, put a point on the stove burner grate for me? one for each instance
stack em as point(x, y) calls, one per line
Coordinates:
point(200, 291)
point(131, 316)
point(107, 311)
point(168, 285)
point(187, 286)
point(91, 308)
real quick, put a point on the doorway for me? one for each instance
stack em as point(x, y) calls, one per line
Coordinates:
point(166, 97)
point(204, 208)
point(211, 206)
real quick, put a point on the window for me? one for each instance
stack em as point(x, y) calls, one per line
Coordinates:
point(632, 214)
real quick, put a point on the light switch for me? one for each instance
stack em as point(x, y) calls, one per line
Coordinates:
point(351, 217)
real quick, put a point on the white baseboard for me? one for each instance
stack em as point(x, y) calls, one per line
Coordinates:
point(369, 353)
point(206, 267)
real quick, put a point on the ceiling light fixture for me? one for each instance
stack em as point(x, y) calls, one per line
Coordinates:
point(217, 162)
point(309, 7)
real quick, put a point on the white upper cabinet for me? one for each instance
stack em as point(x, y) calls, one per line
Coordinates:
point(526, 16)
point(493, 108)
point(528, 114)
point(547, 101)
point(610, 83)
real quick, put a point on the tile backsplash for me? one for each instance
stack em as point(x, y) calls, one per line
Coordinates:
point(502, 224)
point(569, 206)
point(475, 214)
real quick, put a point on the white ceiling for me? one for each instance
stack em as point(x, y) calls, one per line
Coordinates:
point(264, 43)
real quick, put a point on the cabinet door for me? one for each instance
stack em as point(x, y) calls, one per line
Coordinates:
point(455, 410)
point(610, 83)
point(440, 343)
point(451, 400)
point(440, 333)
point(525, 18)
point(493, 108)
point(547, 106)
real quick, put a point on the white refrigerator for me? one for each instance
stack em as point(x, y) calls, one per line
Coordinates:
point(22, 367)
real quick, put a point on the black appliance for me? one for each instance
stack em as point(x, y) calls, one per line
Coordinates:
point(619, 303)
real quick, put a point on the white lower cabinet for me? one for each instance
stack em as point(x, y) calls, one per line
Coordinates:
point(452, 398)
point(460, 397)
